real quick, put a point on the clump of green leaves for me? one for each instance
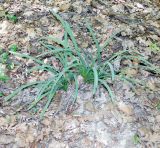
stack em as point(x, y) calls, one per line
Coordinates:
point(6, 62)
point(158, 106)
point(13, 48)
point(1, 94)
point(73, 62)
point(3, 76)
point(5, 56)
point(11, 17)
point(153, 47)
point(3, 59)
point(136, 139)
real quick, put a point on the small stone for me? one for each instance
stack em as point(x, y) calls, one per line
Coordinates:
point(101, 126)
point(151, 119)
point(80, 80)
point(84, 45)
point(89, 106)
point(89, 1)
point(65, 7)
point(87, 95)
point(139, 5)
point(127, 109)
point(55, 9)
point(151, 96)
point(128, 44)
point(151, 85)
point(44, 21)
point(1, 8)
point(77, 7)
point(71, 124)
point(131, 72)
point(118, 8)
point(4, 27)
point(143, 131)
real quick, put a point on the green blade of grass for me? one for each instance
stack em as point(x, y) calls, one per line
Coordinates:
point(53, 52)
point(48, 46)
point(149, 65)
point(42, 68)
point(104, 75)
point(67, 29)
point(95, 80)
point(120, 53)
point(58, 18)
point(109, 39)
point(152, 69)
point(54, 88)
point(56, 40)
point(50, 98)
point(60, 58)
point(34, 59)
point(132, 80)
point(66, 43)
point(33, 104)
point(20, 89)
point(133, 87)
point(99, 50)
point(40, 94)
point(51, 93)
point(70, 33)
point(111, 69)
point(108, 89)
point(76, 89)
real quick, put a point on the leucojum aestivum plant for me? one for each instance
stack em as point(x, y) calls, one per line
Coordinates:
point(74, 62)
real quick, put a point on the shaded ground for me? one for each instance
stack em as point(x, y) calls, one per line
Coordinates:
point(132, 121)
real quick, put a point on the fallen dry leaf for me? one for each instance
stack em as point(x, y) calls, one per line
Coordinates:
point(3, 121)
point(6, 139)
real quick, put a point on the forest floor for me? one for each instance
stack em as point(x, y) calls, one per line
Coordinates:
point(133, 120)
